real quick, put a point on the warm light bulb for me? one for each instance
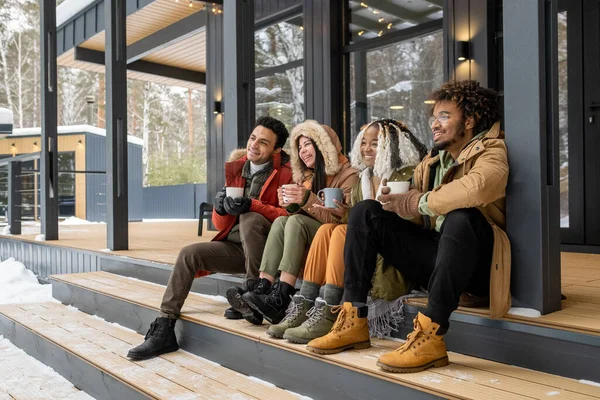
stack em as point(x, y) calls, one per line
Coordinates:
point(360, 33)
point(389, 26)
point(375, 12)
point(380, 20)
point(301, 28)
point(380, 33)
point(462, 58)
point(364, 5)
point(429, 102)
point(396, 107)
point(191, 5)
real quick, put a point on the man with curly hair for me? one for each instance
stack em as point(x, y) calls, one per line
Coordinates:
point(445, 234)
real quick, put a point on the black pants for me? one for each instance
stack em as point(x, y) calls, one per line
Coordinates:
point(451, 262)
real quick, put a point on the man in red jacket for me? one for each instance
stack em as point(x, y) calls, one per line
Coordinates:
point(243, 224)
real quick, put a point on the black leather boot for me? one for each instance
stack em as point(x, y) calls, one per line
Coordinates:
point(160, 339)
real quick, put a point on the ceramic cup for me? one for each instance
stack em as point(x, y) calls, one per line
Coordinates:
point(398, 187)
point(327, 195)
point(285, 198)
point(234, 192)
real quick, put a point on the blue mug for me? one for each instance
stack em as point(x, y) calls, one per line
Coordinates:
point(327, 196)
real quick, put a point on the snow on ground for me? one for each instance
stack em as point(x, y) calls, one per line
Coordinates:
point(169, 219)
point(24, 377)
point(20, 285)
point(585, 382)
point(524, 312)
point(77, 221)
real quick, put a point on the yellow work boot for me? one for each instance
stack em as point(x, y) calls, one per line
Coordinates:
point(350, 331)
point(423, 349)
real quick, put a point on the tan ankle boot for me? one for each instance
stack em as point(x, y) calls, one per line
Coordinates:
point(423, 349)
point(348, 332)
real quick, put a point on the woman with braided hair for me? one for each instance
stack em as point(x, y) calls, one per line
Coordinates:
point(383, 150)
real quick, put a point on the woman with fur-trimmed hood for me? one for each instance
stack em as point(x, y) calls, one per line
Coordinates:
point(384, 150)
point(317, 163)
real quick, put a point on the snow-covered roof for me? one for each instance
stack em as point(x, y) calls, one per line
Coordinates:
point(70, 8)
point(6, 116)
point(73, 129)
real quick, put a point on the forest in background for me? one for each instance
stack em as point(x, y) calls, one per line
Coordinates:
point(170, 120)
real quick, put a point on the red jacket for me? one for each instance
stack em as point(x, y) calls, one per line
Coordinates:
point(267, 203)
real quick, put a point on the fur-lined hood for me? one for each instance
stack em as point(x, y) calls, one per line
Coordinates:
point(395, 150)
point(325, 139)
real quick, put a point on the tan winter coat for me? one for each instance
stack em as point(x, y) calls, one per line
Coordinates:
point(338, 170)
point(478, 179)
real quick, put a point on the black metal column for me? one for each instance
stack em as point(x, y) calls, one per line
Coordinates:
point(324, 61)
point(14, 197)
point(531, 98)
point(215, 140)
point(116, 126)
point(49, 156)
point(238, 67)
point(360, 91)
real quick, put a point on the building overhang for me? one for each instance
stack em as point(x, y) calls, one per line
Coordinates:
point(166, 40)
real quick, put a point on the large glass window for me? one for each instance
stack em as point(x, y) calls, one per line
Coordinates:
point(279, 66)
point(395, 82)
point(376, 18)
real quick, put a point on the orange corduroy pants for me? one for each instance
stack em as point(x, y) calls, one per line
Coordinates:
point(325, 260)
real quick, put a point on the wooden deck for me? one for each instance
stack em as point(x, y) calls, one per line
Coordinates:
point(151, 241)
point(161, 242)
point(179, 375)
point(465, 378)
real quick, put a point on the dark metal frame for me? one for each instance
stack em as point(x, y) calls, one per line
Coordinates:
point(117, 213)
point(530, 60)
point(591, 64)
point(14, 196)
point(49, 101)
point(238, 67)
point(575, 233)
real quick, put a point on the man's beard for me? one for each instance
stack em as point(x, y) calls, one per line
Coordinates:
point(459, 135)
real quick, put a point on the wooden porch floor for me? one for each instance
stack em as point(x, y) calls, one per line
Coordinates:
point(161, 242)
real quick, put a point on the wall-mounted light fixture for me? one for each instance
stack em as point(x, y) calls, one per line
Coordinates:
point(12, 145)
point(218, 108)
point(35, 144)
point(463, 50)
point(80, 141)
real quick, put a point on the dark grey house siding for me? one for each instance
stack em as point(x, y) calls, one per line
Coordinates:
point(95, 160)
point(95, 155)
point(177, 201)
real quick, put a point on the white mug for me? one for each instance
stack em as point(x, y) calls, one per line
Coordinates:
point(234, 192)
point(287, 199)
point(398, 187)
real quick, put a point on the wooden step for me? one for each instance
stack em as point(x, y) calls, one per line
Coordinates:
point(466, 377)
point(103, 345)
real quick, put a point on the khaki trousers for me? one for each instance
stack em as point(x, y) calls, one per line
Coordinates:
point(224, 256)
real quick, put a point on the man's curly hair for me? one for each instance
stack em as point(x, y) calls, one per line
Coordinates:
point(472, 100)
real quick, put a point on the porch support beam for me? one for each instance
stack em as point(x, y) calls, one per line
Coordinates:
point(117, 228)
point(216, 141)
point(530, 98)
point(324, 62)
point(49, 147)
point(238, 69)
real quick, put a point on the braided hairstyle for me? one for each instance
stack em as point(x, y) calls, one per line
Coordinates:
point(397, 147)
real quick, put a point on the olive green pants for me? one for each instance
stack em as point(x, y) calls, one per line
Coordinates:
point(288, 243)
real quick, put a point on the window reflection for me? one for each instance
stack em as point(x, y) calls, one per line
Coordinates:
point(375, 18)
point(394, 82)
